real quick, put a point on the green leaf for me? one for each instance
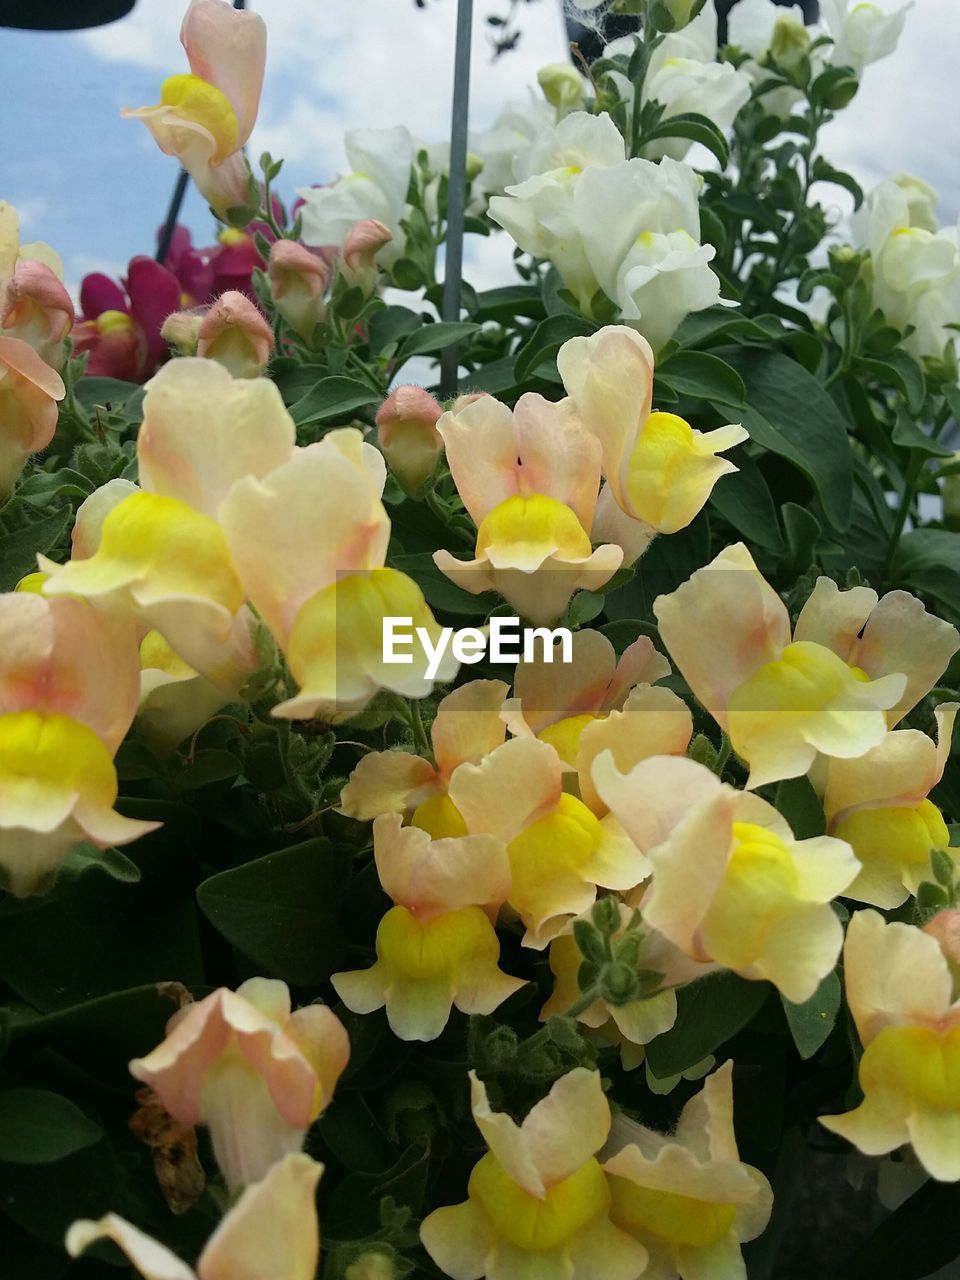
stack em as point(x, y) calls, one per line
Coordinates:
point(431, 338)
point(899, 369)
point(332, 398)
point(38, 1127)
point(18, 551)
point(698, 128)
point(928, 561)
point(825, 172)
point(111, 862)
point(439, 592)
point(700, 327)
point(547, 339)
point(281, 911)
point(799, 806)
point(910, 435)
point(811, 1022)
point(388, 326)
point(696, 373)
point(511, 300)
point(584, 607)
point(109, 393)
point(916, 1240)
point(789, 413)
point(744, 500)
point(212, 764)
point(710, 1011)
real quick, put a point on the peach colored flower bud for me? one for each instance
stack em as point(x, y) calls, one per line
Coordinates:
point(364, 241)
point(255, 1072)
point(181, 331)
point(29, 391)
point(945, 927)
point(38, 310)
point(408, 435)
point(236, 335)
point(298, 279)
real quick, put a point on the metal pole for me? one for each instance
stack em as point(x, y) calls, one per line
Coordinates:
point(176, 200)
point(457, 192)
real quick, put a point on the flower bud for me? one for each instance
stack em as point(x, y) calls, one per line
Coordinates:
point(358, 264)
point(922, 200)
point(790, 42)
point(236, 335)
point(181, 332)
point(407, 431)
point(945, 927)
point(298, 279)
point(372, 1264)
point(562, 86)
point(620, 984)
point(37, 309)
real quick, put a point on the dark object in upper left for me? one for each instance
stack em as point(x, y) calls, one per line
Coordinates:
point(61, 15)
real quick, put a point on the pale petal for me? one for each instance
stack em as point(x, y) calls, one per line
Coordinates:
point(552, 691)
point(272, 1229)
point(729, 598)
point(229, 51)
point(512, 787)
point(430, 877)
point(652, 799)
point(559, 1134)
point(468, 724)
point(653, 722)
point(204, 430)
point(835, 618)
point(482, 454)
point(892, 972)
point(459, 1239)
point(385, 782)
point(153, 1260)
point(900, 636)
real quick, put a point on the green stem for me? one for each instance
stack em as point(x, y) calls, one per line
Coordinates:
point(420, 739)
point(914, 468)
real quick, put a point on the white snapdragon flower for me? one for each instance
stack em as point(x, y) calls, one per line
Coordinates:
point(514, 129)
point(537, 210)
point(640, 226)
point(685, 76)
point(916, 271)
point(762, 29)
point(381, 161)
point(863, 33)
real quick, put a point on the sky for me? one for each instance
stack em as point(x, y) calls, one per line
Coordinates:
point(96, 186)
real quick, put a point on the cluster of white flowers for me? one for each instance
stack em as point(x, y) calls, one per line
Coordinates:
point(558, 179)
point(915, 263)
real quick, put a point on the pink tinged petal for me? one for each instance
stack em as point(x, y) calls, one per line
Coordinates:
point(430, 877)
point(154, 294)
point(94, 673)
point(228, 49)
point(177, 1068)
point(385, 782)
point(901, 636)
point(689, 868)
point(459, 1239)
point(34, 287)
point(640, 663)
point(609, 378)
point(153, 1260)
point(729, 598)
point(559, 1134)
point(706, 1122)
point(654, 797)
point(510, 788)
point(557, 456)
point(612, 524)
point(834, 618)
point(893, 973)
point(247, 1132)
point(322, 1038)
point(26, 648)
point(482, 454)
point(653, 722)
point(98, 293)
point(553, 691)
point(468, 725)
point(900, 771)
point(318, 499)
point(235, 333)
point(272, 1230)
point(203, 431)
